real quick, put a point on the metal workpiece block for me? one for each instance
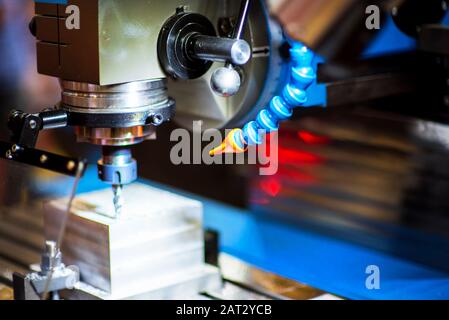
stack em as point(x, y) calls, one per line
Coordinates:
point(157, 242)
point(181, 287)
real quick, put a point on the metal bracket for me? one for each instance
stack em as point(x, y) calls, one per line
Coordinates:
point(41, 159)
point(25, 130)
point(33, 285)
point(26, 127)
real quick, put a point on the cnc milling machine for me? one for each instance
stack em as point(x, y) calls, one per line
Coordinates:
point(126, 69)
point(122, 66)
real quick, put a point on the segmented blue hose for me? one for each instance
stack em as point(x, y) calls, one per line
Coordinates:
point(294, 95)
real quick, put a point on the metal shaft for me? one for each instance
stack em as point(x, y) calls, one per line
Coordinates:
point(235, 51)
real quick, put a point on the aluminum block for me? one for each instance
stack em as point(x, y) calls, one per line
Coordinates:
point(156, 243)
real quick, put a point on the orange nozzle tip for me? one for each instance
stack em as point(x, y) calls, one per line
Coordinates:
point(229, 145)
point(218, 150)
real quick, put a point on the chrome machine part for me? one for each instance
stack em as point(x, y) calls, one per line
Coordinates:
point(116, 117)
point(261, 78)
point(51, 258)
point(217, 49)
point(117, 167)
point(115, 136)
point(124, 105)
point(188, 44)
point(226, 81)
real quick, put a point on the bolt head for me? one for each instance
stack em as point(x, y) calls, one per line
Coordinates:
point(226, 82)
point(43, 158)
point(51, 248)
point(15, 148)
point(157, 119)
point(33, 124)
point(71, 165)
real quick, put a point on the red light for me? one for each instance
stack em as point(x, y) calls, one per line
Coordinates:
point(271, 186)
point(298, 157)
point(311, 138)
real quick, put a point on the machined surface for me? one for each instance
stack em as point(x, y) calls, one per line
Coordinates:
point(243, 281)
point(127, 97)
point(156, 243)
point(265, 283)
